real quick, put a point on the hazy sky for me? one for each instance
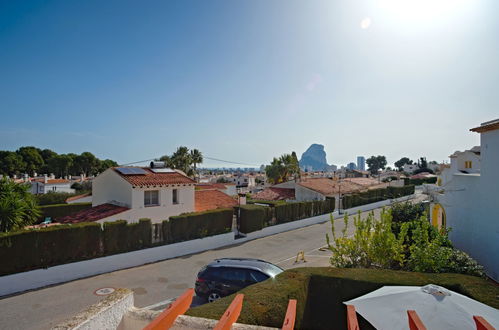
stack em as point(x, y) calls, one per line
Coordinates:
point(248, 80)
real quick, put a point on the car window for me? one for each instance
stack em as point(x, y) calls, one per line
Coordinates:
point(213, 273)
point(234, 274)
point(256, 276)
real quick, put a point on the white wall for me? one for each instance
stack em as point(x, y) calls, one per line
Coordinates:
point(305, 194)
point(110, 186)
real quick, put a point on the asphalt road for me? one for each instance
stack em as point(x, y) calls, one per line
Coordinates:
point(153, 283)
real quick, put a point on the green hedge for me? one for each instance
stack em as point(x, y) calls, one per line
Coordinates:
point(418, 182)
point(376, 195)
point(41, 248)
point(190, 226)
point(254, 217)
point(320, 293)
point(51, 198)
point(119, 237)
point(299, 210)
point(61, 210)
point(270, 203)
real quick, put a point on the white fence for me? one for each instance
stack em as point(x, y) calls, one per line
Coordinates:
point(34, 279)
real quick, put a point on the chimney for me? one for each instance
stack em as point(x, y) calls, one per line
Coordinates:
point(52, 176)
point(45, 178)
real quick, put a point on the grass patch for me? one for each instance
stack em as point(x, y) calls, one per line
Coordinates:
point(321, 291)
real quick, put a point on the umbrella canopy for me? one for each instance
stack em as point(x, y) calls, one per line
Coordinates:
point(437, 307)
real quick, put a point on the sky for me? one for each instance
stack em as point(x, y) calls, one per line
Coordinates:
point(245, 81)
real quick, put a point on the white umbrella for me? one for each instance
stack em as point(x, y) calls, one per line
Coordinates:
point(437, 307)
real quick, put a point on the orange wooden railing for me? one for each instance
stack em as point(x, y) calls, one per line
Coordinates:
point(482, 324)
point(166, 319)
point(289, 319)
point(415, 322)
point(231, 314)
point(352, 323)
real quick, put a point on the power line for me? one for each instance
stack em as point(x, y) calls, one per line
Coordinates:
point(205, 157)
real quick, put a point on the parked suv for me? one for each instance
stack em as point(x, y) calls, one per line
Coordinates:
point(223, 277)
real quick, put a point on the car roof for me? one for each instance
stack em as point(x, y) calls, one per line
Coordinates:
point(248, 263)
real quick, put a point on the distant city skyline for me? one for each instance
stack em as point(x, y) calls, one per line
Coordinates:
point(247, 81)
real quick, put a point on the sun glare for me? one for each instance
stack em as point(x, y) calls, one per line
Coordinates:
point(427, 11)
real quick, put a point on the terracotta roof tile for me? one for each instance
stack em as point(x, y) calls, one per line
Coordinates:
point(155, 179)
point(211, 186)
point(328, 187)
point(275, 194)
point(73, 198)
point(93, 214)
point(212, 199)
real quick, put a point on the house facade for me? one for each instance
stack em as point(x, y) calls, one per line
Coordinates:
point(156, 194)
point(468, 198)
point(50, 184)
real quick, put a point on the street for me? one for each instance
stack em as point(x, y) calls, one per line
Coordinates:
point(153, 283)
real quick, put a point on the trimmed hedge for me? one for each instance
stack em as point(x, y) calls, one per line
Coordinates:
point(61, 210)
point(299, 210)
point(41, 248)
point(376, 195)
point(254, 217)
point(418, 182)
point(320, 293)
point(191, 226)
point(270, 203)
point(52, 198)
point(119, 236)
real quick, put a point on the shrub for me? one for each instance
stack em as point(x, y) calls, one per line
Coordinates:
point(372, 245)
point(40, 248)
point(57, 211)
point(120, 236)
point(462, 263)
point(54, 197)
point(254, 217)
point(197, 225)
point(418, 182)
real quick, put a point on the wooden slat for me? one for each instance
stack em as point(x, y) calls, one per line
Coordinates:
point(231, 314)
point(166, 319)
point(289, 319)
point(482, 324)
point(352, 322)
point(415, 322)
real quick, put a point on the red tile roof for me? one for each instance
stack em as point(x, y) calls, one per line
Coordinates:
point(212, 199)
point(52, 181)
point(275, 194)
point(73, 198)
point(328, 187)
point(151, 179)
point(211, 186)
point(93, 214)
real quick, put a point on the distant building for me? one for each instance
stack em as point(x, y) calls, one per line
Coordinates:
point(410, 168)
point(351, 166)
point(50, 184)
point(467, 199)
point(361, 163)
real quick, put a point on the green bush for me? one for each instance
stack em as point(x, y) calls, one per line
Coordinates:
point(418, 182)
point(119, 236)
point(375, 195)
point(190, 226)
point(57, 211)
point(254, 217)
point(54, 197)
point(45, 247)
point(288, 212)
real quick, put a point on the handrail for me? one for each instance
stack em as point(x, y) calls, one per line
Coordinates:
point(289, 319)
point(231, 314)
point(415, 322)
point(166, 319)
point(482, 324)
point(352, 323)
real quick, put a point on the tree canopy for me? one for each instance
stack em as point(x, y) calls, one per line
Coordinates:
point(18, 207)
point(283, 168)
point(33, 160)
point(184, 159)
point(376, 163)
point(401, 162)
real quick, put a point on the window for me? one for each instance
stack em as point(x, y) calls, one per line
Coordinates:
point(175, 196)
point(234, 274)
point(467, 164)
point(151, 198)
point(256, 276)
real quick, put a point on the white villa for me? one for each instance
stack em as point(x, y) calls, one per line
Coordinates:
point(133, 193)
point(469, 197)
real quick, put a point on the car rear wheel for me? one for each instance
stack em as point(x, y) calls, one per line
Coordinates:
point(213, 296)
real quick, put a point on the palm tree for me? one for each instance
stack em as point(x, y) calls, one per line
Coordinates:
point(181, 160)
point(196, 158)
point(18, 207)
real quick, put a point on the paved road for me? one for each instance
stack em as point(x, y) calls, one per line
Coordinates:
point(44, 308)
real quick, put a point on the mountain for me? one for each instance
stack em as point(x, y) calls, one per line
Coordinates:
point(314, 159)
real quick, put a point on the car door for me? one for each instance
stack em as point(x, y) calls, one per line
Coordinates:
point(233, 279)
